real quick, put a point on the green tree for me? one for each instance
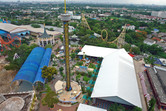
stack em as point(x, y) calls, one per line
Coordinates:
point(53, 56)
point(73, 55)
point(47, 88)
point(83, 89)
point(23, 52)
point(51, 29)
point(39, 86)
point(79, 63)
point(136, 109)
point(61, 38)
point(48, 23)
point(48, 46)
point(78, 77)
point(155, 50)
point(48, 72)
point(35, 25)
point(50, 99)
point(61, 69)
point(116, 107)
point(77, 51)
point(136, 50)
point(150, 60)
point(91, 65)
point(89, 93)
point(74, 24)
point(129, 39)
point(152, 103)
point(86, 79)
point(127, 47)
point(112, 45)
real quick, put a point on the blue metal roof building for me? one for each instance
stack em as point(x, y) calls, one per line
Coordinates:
point(2, 32)
point(31, 69)
point(45, 62)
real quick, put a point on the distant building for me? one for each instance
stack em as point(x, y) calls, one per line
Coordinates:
point(161, 14)
point(142, 28)
point(55, 8)
point(149, 41)
point(104, 15)
point(87, 7)
point(155, 30)
point(97, 35)
point(91, 15)
point(129, 27)
point(74, 37)
point(6, 28)
point(161, 22)
point(145, 17)
point(156, 39)
point(74, 17)
point(157, 78)
point(163, 61)
point(161, 34)
point(149, 36)
point(163, 45)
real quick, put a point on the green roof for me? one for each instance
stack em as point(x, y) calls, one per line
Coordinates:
point(45, 35)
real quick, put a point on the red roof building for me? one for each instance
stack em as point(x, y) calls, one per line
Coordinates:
point(156, 39)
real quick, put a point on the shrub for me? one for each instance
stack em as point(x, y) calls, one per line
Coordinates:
point(91, 65)
point(79, 63)
point(78, 76)
point(86, 79)
point(35, 25)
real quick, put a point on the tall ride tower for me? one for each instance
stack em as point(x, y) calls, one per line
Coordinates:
point(66, 18)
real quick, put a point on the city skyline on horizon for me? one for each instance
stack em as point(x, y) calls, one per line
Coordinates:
point(146, 2)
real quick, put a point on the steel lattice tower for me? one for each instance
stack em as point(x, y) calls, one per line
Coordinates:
point(66, 18)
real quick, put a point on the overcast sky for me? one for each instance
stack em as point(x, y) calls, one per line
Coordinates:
point(157, 2)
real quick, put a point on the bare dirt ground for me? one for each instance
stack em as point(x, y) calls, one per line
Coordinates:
point(6, 78)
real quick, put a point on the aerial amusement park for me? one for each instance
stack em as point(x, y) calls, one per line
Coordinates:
point(54, 75)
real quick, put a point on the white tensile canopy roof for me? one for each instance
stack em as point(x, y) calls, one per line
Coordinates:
point(116, 79)
point(96, 51)
point(84, 107)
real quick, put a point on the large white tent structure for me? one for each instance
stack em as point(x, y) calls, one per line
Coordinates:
point(96, 51)
point(116, 81)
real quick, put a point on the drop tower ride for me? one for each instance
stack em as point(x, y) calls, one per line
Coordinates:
point(66, 18)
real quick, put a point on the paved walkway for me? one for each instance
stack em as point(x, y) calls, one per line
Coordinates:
point(56, 107)
point(139, 68)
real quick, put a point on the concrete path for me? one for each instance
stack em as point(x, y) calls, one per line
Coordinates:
point(139, 68)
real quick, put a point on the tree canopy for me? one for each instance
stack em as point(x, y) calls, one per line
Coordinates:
point(152, 103)
point(48, 72)
point(35, 25)
point(23, 52)
point(50, 99)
